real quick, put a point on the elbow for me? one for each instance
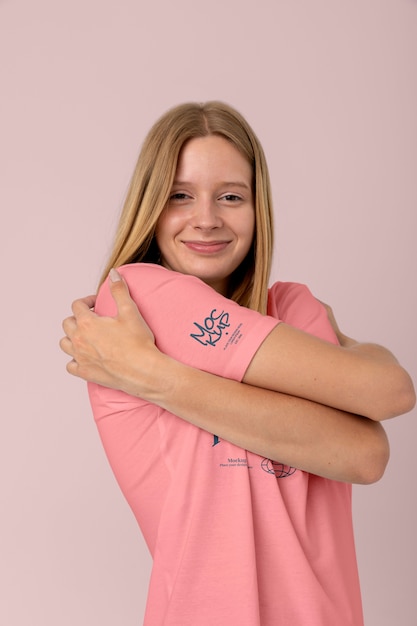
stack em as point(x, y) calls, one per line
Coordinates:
point(406, 396)
point(374, 469)
point(400, 396)
point(374, 457)
point(409, 395)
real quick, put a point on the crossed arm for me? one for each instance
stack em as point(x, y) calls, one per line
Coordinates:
point(303, 401)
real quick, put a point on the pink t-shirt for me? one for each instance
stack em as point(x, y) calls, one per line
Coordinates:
point(235, 538)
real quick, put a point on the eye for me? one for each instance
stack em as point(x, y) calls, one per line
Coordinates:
point(178, 196)
point(231, 197)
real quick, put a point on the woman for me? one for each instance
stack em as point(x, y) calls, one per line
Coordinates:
point(241, 490)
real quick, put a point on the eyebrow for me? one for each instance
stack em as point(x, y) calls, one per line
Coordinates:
point(223, 183)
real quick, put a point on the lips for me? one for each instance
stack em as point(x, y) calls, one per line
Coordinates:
point(206, 247)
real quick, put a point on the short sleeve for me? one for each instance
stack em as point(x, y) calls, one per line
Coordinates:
point(191, 322)
point(295, 305)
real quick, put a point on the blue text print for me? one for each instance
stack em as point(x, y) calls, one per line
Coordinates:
point(212, 328)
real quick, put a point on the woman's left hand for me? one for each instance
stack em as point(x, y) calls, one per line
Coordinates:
point(117, 352)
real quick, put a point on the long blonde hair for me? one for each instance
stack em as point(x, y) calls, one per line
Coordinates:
point(152, 181)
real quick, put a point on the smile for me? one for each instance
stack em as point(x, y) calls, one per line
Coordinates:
point(206, 247)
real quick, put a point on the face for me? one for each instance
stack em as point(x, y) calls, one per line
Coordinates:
point(207, 228)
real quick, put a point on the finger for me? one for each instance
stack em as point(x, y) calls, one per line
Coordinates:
point(66, 345)
point(69, 325)
point(120, 292)
point(83, 305)
point(72, 367)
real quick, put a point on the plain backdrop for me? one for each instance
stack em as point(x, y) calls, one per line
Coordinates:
point(330, 88)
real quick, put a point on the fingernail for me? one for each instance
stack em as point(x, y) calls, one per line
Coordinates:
point(114, 275)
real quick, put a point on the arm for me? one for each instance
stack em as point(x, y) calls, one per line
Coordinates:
point(364, 379)
point(304, 434)
point(361, 378)
point(297, 432)
point(111, 351)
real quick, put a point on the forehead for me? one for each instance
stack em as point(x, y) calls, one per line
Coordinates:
point(211, 157)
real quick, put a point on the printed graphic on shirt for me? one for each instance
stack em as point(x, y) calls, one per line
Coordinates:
point(277, 469)
point(211, 328)
point(216, 326)
point(235, 462)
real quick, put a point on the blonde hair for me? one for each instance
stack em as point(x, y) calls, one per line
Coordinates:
point(152, 181)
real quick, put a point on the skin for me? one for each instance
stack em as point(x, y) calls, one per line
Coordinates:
point(303, 401)
point(207, 228)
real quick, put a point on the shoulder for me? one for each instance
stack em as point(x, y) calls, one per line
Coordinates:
point(288, 299)
point(144, 280)
point(145, 274)
point(294, 304)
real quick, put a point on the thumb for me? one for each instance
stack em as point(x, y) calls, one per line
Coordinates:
point(119, 290)
point(126, 306)
point(114, 275)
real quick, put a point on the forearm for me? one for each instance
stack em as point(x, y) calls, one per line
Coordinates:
point(294, 431)
point(363, 379)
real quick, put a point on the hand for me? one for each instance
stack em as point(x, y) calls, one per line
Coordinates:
point(117, 352)
point(343, 339)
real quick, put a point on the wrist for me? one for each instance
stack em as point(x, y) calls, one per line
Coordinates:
point(152, 379)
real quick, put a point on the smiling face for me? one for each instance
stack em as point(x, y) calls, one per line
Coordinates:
point(208, 225)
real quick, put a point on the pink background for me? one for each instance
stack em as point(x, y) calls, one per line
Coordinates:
point(330, 88)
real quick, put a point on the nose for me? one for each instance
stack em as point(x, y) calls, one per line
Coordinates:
point(206, 215)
